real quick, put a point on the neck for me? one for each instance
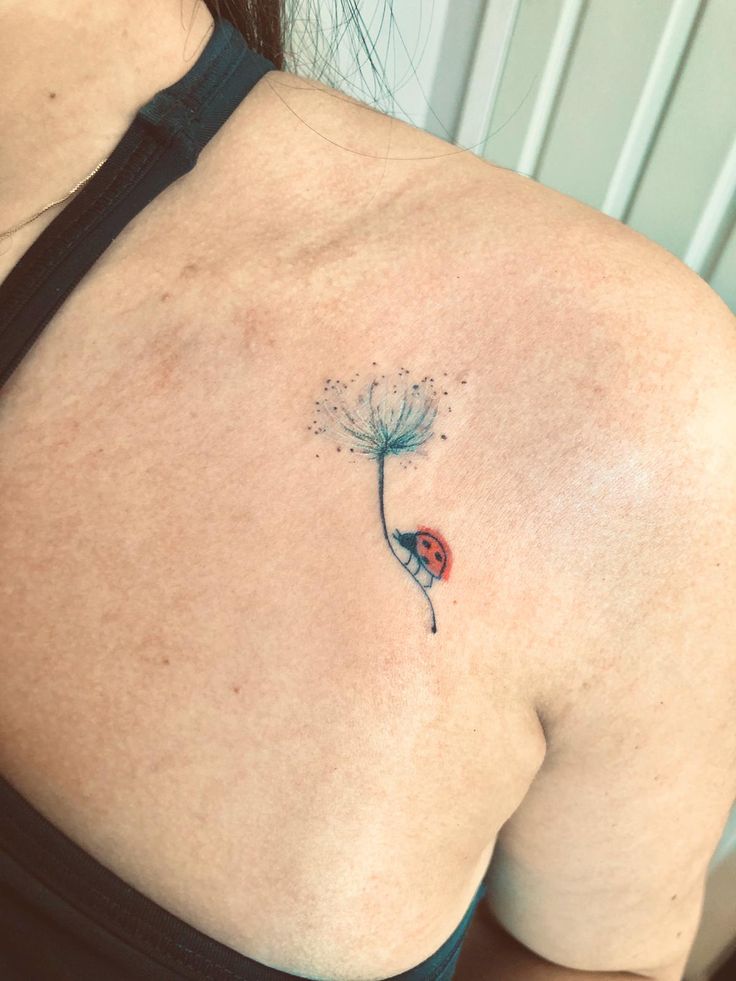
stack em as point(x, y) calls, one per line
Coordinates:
point(73, 75)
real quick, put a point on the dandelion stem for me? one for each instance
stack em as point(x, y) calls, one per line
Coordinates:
point(381, 461)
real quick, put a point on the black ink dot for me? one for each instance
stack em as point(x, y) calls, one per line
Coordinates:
point(463, 383)
point(443, 436)
point(351, 449)
point(52, 95)
point(374, 362)
point(438, 556)
point(339, 450)
point(444, 393)
point(317, 455)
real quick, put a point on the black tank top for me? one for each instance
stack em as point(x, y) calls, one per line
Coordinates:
point(64, 915)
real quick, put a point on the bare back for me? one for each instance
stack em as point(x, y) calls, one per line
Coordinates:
point(217, 679)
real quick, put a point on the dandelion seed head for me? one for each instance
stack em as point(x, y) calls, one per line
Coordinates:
point(383, 418)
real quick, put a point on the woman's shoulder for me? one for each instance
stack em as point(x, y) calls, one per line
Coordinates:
point(347, 174)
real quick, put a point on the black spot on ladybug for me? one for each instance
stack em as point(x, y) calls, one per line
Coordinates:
point(438, 556)
point(426, 543)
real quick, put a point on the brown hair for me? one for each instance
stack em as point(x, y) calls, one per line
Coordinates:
point(259, 21)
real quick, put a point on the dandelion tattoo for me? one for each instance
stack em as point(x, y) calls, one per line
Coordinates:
point(390, 418)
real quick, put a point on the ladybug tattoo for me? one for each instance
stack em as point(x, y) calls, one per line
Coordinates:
point(430, 551)
point(390, 417)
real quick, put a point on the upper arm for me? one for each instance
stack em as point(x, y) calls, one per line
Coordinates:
point(602, 866)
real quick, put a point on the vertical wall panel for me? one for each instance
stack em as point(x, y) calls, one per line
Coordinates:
point(550, 85)
point(694, 137)
point(605, 77)
point(487, 68)
point(457, 47)
point(662, 76)
point(716, 218)
point(532, 38)
point(723, 277)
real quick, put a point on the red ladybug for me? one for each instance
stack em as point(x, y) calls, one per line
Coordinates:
point(430, 549)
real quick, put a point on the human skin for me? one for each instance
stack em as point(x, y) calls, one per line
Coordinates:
point(156, 447)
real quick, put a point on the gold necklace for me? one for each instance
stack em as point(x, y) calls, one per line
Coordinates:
point(27, 221)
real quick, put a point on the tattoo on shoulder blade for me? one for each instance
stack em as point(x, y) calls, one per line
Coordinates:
point(383, 418)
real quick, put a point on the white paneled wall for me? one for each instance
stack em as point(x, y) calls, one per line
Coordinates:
point(626, 105)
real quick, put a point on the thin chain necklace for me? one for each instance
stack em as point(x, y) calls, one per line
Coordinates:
point(27, 221)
